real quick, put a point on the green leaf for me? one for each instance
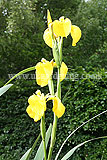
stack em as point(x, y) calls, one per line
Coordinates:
point(76, 130)
point(40, 152)
point(20, 73)
point(76, 147)
point(25, 155)
point(28, 153)
point(67, 93)
point(4, 89)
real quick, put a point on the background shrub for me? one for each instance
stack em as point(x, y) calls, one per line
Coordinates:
point(21, 46)
point(86, 98)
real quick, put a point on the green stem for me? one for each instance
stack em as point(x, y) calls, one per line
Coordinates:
point(60, 48)
point(51, 86)
point(58, 85)
point(53, 136)
point(43, 133)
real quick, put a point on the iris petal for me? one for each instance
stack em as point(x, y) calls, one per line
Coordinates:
point(58, 107)
point(47, 37)
point(76, 34)
point(43, 73)
point(63, 71)
point(62, 28)
point(49, 19)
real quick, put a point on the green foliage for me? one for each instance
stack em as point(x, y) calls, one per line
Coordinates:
point(91, 18)
point(23, 23)
point(70, 153)
point(16, 126)
point(99, 59)
point(4, 89)
point(21, 46)
point(86, 98)
point(21, 40)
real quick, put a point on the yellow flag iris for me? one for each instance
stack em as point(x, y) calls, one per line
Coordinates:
point(44, 70)
point(37, 106)
point(61, 28)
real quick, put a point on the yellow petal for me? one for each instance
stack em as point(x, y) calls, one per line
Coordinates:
point(47, 37)
point(76, 34)
point(62, 28)
point(58, 107)
point(30, 112)
point(35, 112)
point(49, 19)
point(37, 106)
point(43, 73)
point(32, 99)
point(63, 71)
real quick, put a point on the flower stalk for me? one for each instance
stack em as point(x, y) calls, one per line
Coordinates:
point(53, 136)
point(51, 86)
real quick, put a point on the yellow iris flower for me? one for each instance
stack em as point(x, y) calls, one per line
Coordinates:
point(61, 28)
point(44, 70)
point(37, 106)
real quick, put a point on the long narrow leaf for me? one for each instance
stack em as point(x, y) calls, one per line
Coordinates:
point(20, 73)
point(4, 89)
point(28, 153)
point(40, 152)
point(75, 131)
point(25, 155)
point(67, 93)
point(69, 154)
point(33, 147)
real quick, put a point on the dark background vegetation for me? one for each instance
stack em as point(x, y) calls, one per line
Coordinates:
point(22, 24)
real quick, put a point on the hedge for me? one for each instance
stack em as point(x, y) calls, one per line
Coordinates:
point(86, 98)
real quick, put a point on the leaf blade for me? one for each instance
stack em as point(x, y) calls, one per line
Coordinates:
point(69, 154)
point(40, 153)
point(4, 89)
point(28, 153)
point(20, 73)
point(25, 155)
point(76, 130)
